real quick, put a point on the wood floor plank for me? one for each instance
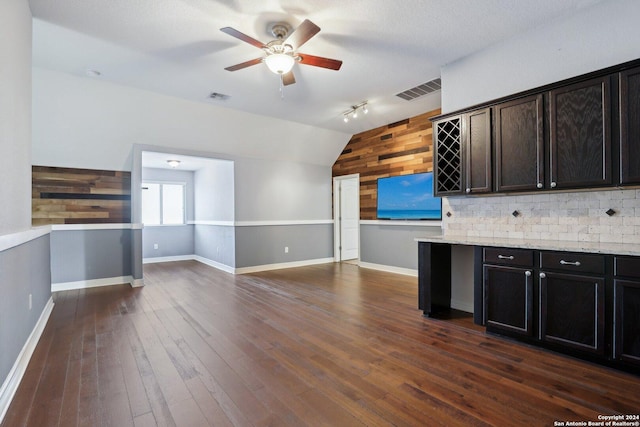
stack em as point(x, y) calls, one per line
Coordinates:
point(324, 345)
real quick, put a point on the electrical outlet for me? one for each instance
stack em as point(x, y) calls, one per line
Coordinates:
point(155, 246)
point(30, 301)
point(286, 249)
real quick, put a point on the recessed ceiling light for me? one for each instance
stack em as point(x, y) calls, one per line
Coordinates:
point(173, 163)
point(93, 73)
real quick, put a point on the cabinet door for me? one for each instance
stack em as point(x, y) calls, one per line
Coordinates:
point(478, 152)
point(519, 137)
point(627, 320)
point(580, 139)
point(447, 165)
point(630, 126)
point(572, 311)
point(509, 299)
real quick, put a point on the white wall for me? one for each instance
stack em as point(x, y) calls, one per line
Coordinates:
point(89, 123)
point(214, 192)
point(269, 190)
point(603, 35)
point(15, 116)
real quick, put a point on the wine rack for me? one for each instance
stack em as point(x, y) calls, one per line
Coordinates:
point(448, 148)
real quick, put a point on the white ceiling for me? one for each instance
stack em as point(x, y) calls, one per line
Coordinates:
point(175, 47)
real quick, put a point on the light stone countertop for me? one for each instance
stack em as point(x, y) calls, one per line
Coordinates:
point(551, 245)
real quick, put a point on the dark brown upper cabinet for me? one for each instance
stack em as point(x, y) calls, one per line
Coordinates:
point(630, 126)
point(580, 134)
point(478, 151)
point(519, 140)
point(447, 164)
point(462, 162)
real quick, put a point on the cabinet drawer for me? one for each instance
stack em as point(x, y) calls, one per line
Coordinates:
point(627, 266)
point(572, 262)
point(507, 256)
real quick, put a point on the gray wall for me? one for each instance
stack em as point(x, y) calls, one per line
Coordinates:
point(172, 240)
point(24, 270)
point(392, 245)
point(262, 245)
point(91, 254)
point(217, 243)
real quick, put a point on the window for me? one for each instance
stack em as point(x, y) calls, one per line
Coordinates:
point(162, 203)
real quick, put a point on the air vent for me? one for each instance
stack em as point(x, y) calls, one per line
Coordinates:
point(421, 90)
point(219, 96)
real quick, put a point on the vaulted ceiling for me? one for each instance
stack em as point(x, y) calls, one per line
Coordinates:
point(175, 47)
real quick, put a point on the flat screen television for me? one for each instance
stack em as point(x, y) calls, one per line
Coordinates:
point(408, 197)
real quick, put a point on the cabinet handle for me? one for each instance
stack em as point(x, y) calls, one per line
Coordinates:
point(468, 190)
point(527, 273)
point(539, 185)
point(509, 257)
point(543, 276)
point(553, 184)
point(576, 263)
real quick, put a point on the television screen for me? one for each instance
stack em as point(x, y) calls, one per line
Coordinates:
point(408, 197)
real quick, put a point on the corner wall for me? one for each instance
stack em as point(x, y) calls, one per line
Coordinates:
point(25, 278)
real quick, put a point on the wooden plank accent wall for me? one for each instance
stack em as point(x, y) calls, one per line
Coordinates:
point(79, 196)
point(400, 148)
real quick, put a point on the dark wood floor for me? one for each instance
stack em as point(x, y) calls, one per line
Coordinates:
point(330, 345)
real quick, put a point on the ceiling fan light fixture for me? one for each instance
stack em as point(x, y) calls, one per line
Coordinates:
point(280, 63)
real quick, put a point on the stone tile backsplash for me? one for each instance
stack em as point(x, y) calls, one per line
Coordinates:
point(574, 216)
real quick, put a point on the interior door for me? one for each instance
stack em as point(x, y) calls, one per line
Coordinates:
point(349, 218)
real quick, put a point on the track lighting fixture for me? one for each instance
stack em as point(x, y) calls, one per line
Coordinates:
point(353, 111)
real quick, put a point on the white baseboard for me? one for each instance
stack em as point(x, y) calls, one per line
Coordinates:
point(389, 268)
point(84, 284)
point(10, 385)
point(268, 267)
point(136, 283)
point(152, 260)
point(462, 305)
point(214, 264)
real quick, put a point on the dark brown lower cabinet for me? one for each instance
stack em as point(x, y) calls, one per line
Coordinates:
point(627, 321)
point(572, 311)
point(509, 299)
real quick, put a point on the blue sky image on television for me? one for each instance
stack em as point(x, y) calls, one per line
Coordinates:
point(408, 197)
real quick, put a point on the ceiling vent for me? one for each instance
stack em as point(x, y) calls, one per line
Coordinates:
point(219, 96)
point(421, 90)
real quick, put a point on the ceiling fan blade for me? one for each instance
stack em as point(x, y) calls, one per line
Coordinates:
point(288, 79)
point(245, 38)
point(302, 34)
point(319, 61)
point(244, 65)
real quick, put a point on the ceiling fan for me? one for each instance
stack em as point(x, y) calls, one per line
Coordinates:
point(281, 53)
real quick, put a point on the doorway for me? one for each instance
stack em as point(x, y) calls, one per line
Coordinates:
point(346, 213)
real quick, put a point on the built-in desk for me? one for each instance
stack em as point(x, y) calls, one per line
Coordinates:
point(580, 298)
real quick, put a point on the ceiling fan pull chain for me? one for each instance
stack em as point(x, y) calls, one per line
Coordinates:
point(281, 86)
